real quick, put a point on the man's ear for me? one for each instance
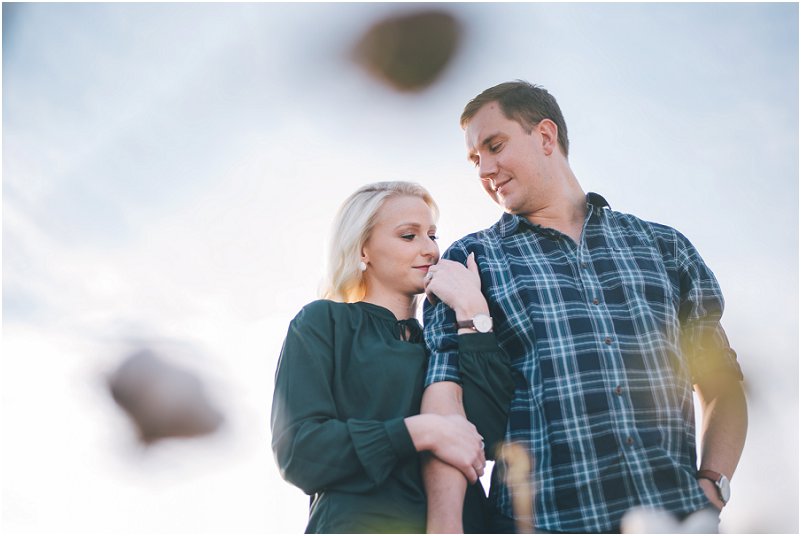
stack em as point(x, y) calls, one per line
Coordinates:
point(549, 132)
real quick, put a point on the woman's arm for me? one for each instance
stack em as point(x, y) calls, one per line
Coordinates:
point(314, 448)
point(452, 439)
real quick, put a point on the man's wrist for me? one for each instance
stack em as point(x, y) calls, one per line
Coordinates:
point(720, 483)
point(479, 323)
point(469, 311)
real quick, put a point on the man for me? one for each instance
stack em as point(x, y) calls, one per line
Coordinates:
point(609, 322)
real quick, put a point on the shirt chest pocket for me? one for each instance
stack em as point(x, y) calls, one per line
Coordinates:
point(641, 280)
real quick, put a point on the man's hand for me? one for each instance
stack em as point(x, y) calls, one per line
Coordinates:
point(711, 492)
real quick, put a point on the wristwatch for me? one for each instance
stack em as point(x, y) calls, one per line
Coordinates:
point(721, 482)
point(481, 323)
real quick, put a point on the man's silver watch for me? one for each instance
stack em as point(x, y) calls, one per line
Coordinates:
point(721, 482)
point(481, 323)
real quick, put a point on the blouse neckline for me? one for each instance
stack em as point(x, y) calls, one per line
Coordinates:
point(399, 326)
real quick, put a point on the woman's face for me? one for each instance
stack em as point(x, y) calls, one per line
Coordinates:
point(401, 247)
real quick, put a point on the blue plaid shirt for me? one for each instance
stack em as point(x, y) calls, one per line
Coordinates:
point(606, 337)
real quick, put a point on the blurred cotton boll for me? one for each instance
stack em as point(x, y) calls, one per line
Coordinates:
point(162, 400)
point(409, 52)
point(642, 520)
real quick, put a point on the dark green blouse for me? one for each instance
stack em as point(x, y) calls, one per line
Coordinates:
point(346, 379)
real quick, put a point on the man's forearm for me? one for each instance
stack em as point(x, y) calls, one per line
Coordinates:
point(725, 422)
point(445, 485)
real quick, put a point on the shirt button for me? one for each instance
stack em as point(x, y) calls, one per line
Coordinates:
point(595, 301)
point(583, 264)
point(618, 390)
point(629, 440)
point(608, 340)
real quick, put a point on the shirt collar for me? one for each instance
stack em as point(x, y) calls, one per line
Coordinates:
point(509, 223)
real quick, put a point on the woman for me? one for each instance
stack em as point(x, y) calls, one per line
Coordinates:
point(345, 418)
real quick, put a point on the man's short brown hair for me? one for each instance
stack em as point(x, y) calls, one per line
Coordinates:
point(522, 102)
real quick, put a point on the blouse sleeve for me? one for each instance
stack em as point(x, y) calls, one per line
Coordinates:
point(316, 449)
point(488, 386)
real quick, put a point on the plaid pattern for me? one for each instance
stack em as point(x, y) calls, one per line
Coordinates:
point(606, 338)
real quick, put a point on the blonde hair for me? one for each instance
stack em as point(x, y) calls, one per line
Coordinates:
point(351, 229)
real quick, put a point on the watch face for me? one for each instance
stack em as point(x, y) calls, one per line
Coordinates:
point(482, 323)
point(725, 489)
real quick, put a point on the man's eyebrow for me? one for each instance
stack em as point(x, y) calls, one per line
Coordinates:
point(487, 141)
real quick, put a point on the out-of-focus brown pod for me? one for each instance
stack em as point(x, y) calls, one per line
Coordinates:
point(517, 473)
point(409, 51)
point(162, 400)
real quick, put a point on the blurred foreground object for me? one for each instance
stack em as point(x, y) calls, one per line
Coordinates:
point(162, 400)
point(641, 520)
point(517, 467)
point(408, 52)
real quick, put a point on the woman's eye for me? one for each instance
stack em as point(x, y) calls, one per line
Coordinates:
point(495, 148)
point(408, 237)
point(433, 237)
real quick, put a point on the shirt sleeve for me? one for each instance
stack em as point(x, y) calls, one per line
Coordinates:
point(488, 387)
point(313, 447)
point(703, 340)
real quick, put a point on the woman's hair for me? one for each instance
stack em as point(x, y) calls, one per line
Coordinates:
point(351, 229)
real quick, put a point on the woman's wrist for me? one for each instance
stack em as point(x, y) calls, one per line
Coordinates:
point(422, 429)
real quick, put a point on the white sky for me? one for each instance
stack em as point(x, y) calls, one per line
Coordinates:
point(170, 172)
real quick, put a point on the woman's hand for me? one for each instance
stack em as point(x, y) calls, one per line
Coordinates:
point(451, 438)
point(458, 286)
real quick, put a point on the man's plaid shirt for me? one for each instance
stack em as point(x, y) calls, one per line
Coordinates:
point(606, 338)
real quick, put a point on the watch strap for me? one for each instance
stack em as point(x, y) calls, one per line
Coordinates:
point(708, 474)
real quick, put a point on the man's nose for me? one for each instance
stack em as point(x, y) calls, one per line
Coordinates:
point(487, 168)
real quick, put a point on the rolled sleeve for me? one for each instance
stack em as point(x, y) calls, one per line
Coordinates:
point(703, 339)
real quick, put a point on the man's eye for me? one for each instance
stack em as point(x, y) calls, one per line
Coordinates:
point(495, 148)
point(433, 237)
point(408, 237)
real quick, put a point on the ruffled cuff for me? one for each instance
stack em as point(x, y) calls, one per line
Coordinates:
point(379, 446)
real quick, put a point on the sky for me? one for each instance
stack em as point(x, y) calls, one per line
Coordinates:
point(170, 172)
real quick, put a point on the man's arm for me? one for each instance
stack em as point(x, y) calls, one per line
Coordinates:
point(445, 485)
point(725, 421)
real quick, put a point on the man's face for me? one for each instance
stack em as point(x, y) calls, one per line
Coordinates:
point(509, 160)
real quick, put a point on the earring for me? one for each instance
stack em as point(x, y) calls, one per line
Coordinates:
point(362, 266)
